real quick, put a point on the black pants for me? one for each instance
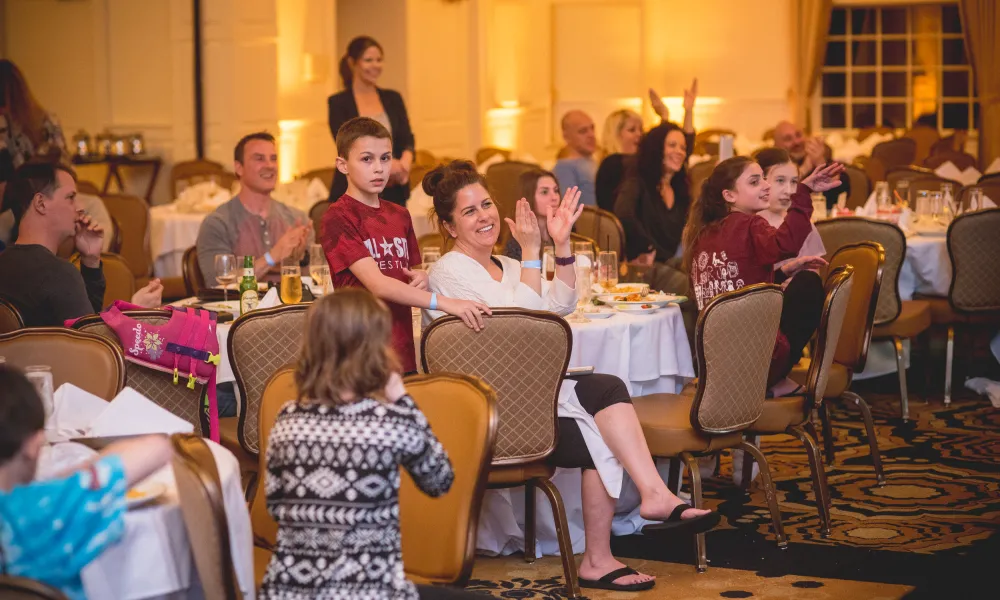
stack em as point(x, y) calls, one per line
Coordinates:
point(800, 315)
point(595, 393)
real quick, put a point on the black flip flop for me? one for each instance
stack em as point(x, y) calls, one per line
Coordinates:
point(607, 582)
point(675, 524)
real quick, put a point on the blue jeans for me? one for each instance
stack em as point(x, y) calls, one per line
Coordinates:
point(225, 398)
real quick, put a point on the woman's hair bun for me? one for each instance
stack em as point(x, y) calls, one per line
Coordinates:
point(432, 180)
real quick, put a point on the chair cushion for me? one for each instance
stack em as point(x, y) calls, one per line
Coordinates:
point(508, 475)
point(261, 556)
point(780, 413)
point(836, 385)
point(666, 424)
point(914, 319)
point(943, 314)
point(231, 441)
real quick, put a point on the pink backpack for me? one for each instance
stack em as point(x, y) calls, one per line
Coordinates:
point(185, 346)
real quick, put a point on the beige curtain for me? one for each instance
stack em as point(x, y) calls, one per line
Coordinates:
point(811, 21)
point(981, 21)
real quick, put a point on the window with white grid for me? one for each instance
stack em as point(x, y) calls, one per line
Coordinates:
point(897, 66)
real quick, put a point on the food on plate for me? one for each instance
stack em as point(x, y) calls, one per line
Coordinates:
point(636, 297)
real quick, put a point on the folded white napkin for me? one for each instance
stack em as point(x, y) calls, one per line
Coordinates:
point(202, 197)
point(987, 203)
point(74, 410)
point(905, 220)
point(131, 413)
point(948, 170)
point(870, 209)
point(270, 299)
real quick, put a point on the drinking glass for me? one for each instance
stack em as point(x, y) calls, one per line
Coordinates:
point(607, 270)
point(429, 255)
point(819, 206)
point(903, 189)
point(226, 272)
point(947, 191)
point(936, 203)
point(41, 377)
point(923, 207)
point(317, 260)
point(291, 282)
point(584, 253)
point(549, 262)
point(321, 278)
point(975, 198)
point(882, 194)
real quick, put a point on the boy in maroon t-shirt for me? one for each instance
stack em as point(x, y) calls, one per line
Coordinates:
point(370, 243)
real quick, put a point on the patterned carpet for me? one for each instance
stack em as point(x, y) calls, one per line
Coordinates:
point(928, 529)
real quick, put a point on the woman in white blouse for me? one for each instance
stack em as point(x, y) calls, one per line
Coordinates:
point(598, 428)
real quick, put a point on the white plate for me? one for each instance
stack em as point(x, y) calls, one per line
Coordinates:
point(604, 314)
point(144, 493)
point(654, 299)
point(636, 310)
point(625, 288)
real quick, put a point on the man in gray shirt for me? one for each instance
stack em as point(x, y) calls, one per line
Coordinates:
point(578, 167)
point(252, 223)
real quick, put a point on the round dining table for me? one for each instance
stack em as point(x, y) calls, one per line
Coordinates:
point(154, 559)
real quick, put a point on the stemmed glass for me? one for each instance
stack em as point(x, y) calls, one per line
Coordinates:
point(226, 272)
point(319, 269)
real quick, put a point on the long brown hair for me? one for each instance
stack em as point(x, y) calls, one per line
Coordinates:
point(529, 184)
point(355, 50)
point(346, 349)
point(711, 207)
point(16, 98)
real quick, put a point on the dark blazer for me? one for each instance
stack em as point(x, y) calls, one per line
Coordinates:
point(342, 108)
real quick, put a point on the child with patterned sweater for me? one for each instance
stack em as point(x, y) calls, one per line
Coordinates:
point(333, 461)
point(728, 246)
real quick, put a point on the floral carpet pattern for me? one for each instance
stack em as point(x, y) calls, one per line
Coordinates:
point(940, 505)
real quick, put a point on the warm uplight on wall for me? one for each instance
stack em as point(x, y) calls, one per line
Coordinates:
point(288, 148)
point(502, 125)
point(705, 108)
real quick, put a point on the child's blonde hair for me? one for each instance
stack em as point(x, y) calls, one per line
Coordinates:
point(346, 355)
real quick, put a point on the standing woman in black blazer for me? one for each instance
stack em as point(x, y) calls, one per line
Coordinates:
point(359, 70)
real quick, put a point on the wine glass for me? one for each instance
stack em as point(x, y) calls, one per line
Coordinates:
point(607, 270)
point(935, 203)
point(549, 262)
point(584, 253)
point(903, 191)
point(226, 272)
point(317, 260)
point(291, 282)
point(975, 199)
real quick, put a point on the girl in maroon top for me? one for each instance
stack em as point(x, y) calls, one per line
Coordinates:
point(727, 246)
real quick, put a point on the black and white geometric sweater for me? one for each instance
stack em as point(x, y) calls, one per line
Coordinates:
point(332, 485)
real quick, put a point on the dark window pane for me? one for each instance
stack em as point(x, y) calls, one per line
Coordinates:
point(836, 54)
point(838, 21)
point(893, 84)
point(893, 20)
point(950, 21)
point(894, 52)
point(975, 115)
point(956, 116)
point(834, 85)
point(864, 115)
point(953, 52)
point(862, 84)
point(894, 115)
point(863, 53)
point(834, 116)
point(862, 20)
point(955, 83)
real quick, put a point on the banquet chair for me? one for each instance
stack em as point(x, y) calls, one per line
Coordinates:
point(792, 415)
point(431, 240)
point(417, 172)
point(260, 342)
point(989, 177)
point(87, 187)
point(734, 340)
point(10, 317)
point(707, 142)
point(867, 260)
point(194, 279)
point(974, 295)
point(861, 186)
point(503, 180)
point(119, 281)
point(199, 489)
point(893, 153)
point(895, 319)
point(908, 172)
point(22, 588)
point(484, 154)
point(527, 389)
point(575, 238)
point(930, 183)
point(325, 175)
point(187, 173)
point(990, 187)
point(924, 137)
point(870, 131)
point(316, 216)
point(424, 157)
point(88, 361)
point(132, 213)
point(698, 174)
point(604, 228)
point(962, 160)
point(155, 385)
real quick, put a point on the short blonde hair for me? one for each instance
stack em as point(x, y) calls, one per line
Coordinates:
point(346, 349)
point(613, 126)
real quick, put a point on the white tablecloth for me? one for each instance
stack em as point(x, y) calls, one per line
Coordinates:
point(154, 558)
point(170, 234)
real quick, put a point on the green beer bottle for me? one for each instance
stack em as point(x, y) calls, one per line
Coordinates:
point(248, 287)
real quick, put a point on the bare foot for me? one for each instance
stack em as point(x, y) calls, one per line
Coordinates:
point(658, 507)
point(594, 571)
